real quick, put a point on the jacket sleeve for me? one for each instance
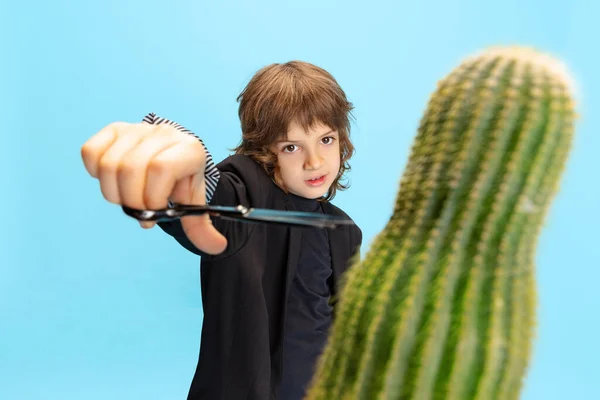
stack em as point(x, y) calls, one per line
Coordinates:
point(230, 191)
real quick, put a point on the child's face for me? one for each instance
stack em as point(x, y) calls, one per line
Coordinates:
point(309, 161)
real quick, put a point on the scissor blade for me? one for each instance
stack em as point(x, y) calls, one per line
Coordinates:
point(296, 218)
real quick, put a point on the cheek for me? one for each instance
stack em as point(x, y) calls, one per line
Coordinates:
point(334, 155)
point(285, 164)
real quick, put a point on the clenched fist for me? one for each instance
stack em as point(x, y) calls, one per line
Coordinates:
point(143, 166)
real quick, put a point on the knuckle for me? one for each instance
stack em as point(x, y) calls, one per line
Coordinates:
point(172, 130)
point(158, 167)
point(107, 166)
point(88, 156)
point(130, 167)
point(197, 149)
point(148, 129)
point(86, 150)
point(193, 140)
point(161, 130)
point(165, 129)
point(118, 126)
point(131, 129)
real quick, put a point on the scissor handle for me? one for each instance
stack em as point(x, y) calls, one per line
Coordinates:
point(163, 215)
point(181, 210)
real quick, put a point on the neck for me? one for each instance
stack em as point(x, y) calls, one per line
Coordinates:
point(304, 203)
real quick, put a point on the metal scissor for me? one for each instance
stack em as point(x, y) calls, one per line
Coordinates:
point(240, 213)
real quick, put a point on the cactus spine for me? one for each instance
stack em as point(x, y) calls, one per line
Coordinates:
point(443, 304)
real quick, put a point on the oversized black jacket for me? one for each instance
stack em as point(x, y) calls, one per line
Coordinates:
point(244, 289)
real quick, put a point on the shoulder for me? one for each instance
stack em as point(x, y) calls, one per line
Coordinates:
point(246, 168)
point(335, 210)
point(242, 164)
point(242, 181)
point(354, 229)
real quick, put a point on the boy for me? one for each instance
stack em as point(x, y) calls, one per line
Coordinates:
point(266, 290)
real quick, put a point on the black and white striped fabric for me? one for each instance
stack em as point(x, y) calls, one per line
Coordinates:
point(211, 174)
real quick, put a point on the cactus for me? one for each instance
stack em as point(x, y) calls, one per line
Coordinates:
point(443, 304)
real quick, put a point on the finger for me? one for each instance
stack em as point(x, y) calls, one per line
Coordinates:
point(111, 161)
point(199, 229)
point(132, 171)
point(96, 146)
point(190, 190)
point(147, 224)
point(179, 171)
point(179, 162)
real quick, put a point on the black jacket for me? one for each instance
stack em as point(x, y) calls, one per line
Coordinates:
point(244, 289)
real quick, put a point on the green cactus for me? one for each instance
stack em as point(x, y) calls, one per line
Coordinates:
point(443, 304)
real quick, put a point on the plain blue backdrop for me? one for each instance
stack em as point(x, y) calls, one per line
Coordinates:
point(93, 307)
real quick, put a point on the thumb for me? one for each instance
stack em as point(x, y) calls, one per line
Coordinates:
point(201, 232)
point(199, 229)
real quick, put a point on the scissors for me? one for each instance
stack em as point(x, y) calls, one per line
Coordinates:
point(240, 213)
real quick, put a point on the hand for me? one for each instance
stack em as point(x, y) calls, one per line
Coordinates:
point(143, 166)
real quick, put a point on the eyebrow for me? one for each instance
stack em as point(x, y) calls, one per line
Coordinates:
point(296, 141)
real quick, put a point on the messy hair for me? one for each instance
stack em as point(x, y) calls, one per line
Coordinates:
point(281, 94)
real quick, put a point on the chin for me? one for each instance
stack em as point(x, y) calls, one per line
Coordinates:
point(315, 194)
point(309, 194)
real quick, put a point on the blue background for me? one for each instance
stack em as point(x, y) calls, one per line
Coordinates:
point(94, 307)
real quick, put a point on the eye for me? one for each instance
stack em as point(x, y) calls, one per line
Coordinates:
point(328, 140)
point(290, 148)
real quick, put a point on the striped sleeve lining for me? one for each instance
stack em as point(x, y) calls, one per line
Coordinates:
point(211, 174)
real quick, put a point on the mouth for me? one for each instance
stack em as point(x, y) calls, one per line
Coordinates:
point(316, 181)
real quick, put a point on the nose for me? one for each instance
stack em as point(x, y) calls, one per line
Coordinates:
point(313, 160)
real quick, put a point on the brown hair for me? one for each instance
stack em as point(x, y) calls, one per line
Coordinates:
point(296, 91)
